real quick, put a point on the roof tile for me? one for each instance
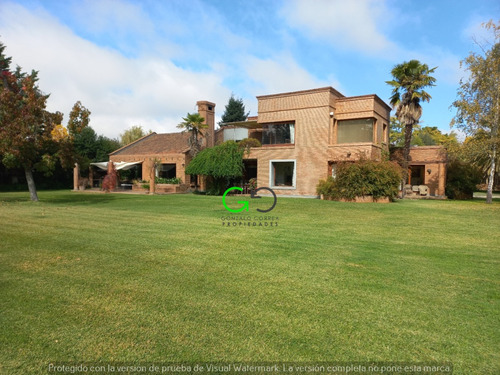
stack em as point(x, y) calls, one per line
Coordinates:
point(155, 144)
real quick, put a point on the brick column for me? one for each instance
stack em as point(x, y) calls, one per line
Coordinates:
point(76, 176)
point(207, 111)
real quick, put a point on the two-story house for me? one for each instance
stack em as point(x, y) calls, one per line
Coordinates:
point(304, 135)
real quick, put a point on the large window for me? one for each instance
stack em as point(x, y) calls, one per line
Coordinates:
point(235, 134)
point(277, 134)
point(354, 131)
point(166, 171)
point(282, 173)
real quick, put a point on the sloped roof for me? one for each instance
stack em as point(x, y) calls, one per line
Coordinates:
point(154, 144)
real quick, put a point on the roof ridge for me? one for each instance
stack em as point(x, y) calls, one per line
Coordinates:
point(132, 143)
point(154, 143)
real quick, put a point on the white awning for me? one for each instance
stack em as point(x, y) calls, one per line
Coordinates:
point(103, 165)
point(121, 165)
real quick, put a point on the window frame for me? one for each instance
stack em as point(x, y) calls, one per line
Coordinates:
point(160, 170)
point(373, 131)
point(272, 174)
point(279, 123)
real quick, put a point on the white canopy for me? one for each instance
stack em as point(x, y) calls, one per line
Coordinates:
point(121, 165)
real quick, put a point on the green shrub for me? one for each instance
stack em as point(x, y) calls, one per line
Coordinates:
point(252, 184)
point(247, 143)
point(161, 180)
point(462, 180)
point(327, 188)
point(221, 164)
point(365, 177)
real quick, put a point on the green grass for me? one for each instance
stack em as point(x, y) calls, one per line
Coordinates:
point(130, 278)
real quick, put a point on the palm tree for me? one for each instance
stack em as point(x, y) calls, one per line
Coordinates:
point(409, 80)
point(195, 124)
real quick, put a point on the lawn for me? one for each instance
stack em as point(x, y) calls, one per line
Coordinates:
point(136, 279)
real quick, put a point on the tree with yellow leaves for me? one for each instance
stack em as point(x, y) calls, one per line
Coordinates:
point(478, 102)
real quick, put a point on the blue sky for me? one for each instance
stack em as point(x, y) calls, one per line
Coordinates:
point(148, 62)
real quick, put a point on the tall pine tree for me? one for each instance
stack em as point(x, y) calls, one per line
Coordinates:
point(235, 111)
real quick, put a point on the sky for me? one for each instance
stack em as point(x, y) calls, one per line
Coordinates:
point(147, 63)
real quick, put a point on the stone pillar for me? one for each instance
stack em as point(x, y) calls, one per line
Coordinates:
point(76, 176)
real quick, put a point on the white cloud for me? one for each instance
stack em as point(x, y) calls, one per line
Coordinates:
point(476, 33)
point(353, 24)
point(113, 16)
point(448, 64)
point(119, 91)
point(280, 74)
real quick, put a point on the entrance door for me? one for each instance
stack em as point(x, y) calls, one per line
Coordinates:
point(250, 171)
point(416, 175)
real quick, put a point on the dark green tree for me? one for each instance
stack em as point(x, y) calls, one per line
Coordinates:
point(462, 179)
point(86, 144)
point(234, 111)
point(105, 146)
point(221, 163)
point(90, 147)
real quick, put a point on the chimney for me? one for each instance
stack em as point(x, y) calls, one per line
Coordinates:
point(207, 111)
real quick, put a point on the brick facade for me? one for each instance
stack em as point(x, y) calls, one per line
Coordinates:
point(315, 114)
point(295, 167)
point(433, 160)
point(171, 148)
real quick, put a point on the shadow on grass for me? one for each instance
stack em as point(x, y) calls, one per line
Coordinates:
point(61, 197)
point(82, 198)
point(483, 200)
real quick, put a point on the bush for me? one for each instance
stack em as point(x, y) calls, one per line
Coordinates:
point(327, 188)
point(221, 164)
point(161, 180)
point(252, 184)
point(366, 177)
point(248, 143)
point(462, 180)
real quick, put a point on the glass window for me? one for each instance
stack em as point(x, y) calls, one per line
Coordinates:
point(166, 171)
point(235, 134)
point(276, 134)
point(282, 173)
point(353, 131)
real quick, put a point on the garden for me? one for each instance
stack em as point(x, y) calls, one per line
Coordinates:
point(157, 278)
